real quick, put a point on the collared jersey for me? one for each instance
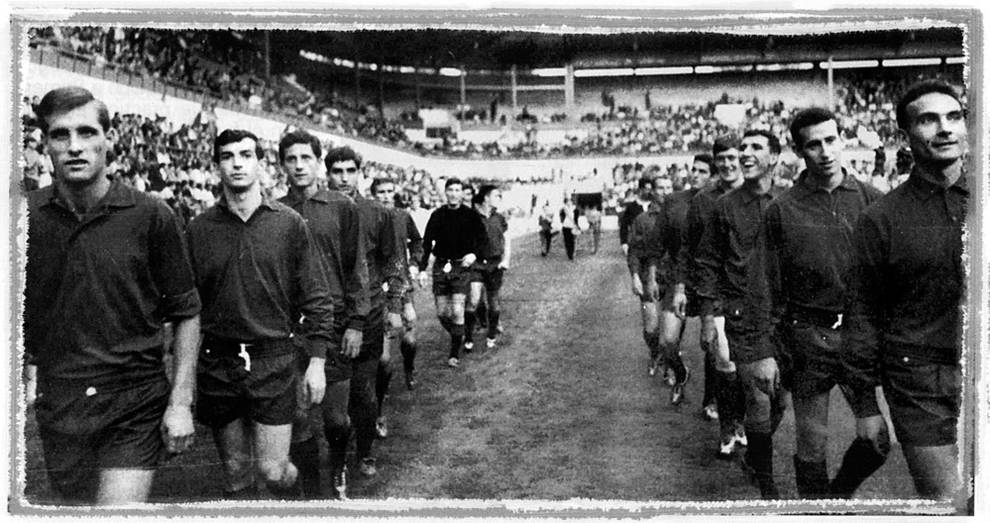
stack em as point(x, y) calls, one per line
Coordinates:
point(645, 240)
point(408, 236)
point(495, 227)
point(259, 278)
point(452, 234)
point(98, 288)
point(383, 253)
point(907, 279)
point(728, 270)
point(699, 213)
point(809, 244)
point(334, 221)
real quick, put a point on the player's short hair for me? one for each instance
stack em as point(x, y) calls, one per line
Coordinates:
point(483, 192)
point(724, 143)
point(230, 136)
point(707, 159)
point(644, 181)
point(64, 99)
point(380, 181)
point(453, 181)
point(772, 139)
point(299, 137)
point(917, 90)
point(342, 154)
point(807, 118)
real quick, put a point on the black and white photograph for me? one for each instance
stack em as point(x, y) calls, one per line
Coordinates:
point(486, 262)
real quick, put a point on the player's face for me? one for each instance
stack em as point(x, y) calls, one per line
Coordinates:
point(700, 172)
point(239, 165)
point(937, 132)
point(494, 199)
point(385, 194)
point(727, 165)
point(301, 165)
point(345, 173)
point(662, 187)
point(454, 194)
point(466, 196)
point(822, 148)
point(77, 145)
point(755, 158)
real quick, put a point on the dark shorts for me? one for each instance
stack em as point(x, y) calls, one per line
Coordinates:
point(114, 427)
point(816, 357)
point(338, 366)
point(924, 400)
point(409, 294)
point(266, 394)
point(489, 274)
point(745, 339)
point(457, 281)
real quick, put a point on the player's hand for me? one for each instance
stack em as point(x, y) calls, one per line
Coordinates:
point(351, 344)
point(30, 392)
point(395, 323)
point(653, 290)
point(468, 260)
point(413, 272)
point(424, 278)
point(766, 375)
point(625, 249)
point(386, 356)
point(709, 334)
point(315, 380)
point(637, 286)
point(178, 429)
point(504, 265)
point(679, 301)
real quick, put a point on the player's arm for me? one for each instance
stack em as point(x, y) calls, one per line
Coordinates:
point(507, 251)
point(169, 261)
point(355, 266)
point(315, 306)
point(415, 245)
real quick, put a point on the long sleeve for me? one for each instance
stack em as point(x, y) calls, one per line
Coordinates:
point(635, 238)
point(313, 298)
point(429, 236)
point(708, 260)
point(414, 240)
point(355, 267)
point(860, 336)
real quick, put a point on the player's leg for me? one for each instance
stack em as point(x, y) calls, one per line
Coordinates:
point(651, 335)
point(362, 411)
point(493, 298)
point(934, 470)
point(811, 433)
point(470, 306)
point(457, 326)
point(304, 451)
point(124, 486)
point(671, 327)
point(407, 345)
point(728, 392)
point(861, 460)
point(337, 428)
point(271, 448)
point(234, 445)
point(763, 414)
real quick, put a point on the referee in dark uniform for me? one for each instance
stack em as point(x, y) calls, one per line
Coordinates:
point(106, 267)
point(908, 281)
point(455, 235)
point(808, 241)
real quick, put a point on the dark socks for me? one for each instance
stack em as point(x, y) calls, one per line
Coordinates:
point(727, 395)
point(811, 478)
point(446, 323)
point(710, 382)
point(382, 380)
point(759, 462)
point(305, 455)
point(493, 317)
point(860, 461)
point(456, 340)
point(652, 340)
point(674, 361)
point(469, 320)
point(408, 351)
